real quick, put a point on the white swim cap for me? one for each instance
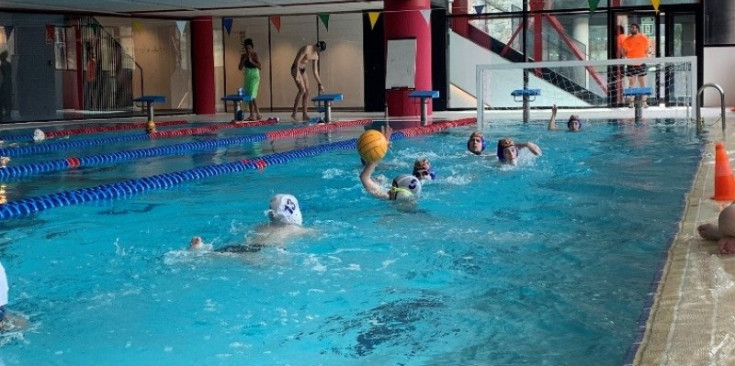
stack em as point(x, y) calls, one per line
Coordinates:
point(3, 286)
point(285, 210)
point(406, 186)
point(38, 135)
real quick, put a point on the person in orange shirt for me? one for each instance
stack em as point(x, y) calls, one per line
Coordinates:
point(636, 45)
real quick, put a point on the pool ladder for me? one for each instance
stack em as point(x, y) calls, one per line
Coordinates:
point(722, 103)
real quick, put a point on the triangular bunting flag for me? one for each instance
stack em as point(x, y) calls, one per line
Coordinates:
point(325, 20)
point(276, 20)
point(480, 8)
point(373, 15)
point(50, 33)
point(427, 15)
point(227, 23)
point(593, 5)
point(181, 24)
point(8, 31)
point(137, 26)
point(655, 4)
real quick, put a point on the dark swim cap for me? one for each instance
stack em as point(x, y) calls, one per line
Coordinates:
point(573, 118)
point(321, 46)
point(482, 139)
point(502, 145)
point(247, 42)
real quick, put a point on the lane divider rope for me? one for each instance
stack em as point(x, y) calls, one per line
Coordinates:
point(27, 170)
point(128, 188)
point(88, 130)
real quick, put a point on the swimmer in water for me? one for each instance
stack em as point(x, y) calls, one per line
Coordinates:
point(723, 231)
point(508, 150)
point(573, 124)
point(406, 188)
point(285, 224)
point(8, 321)
point(422, 170)
point(476, 143)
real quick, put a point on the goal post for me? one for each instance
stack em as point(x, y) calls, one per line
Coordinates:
point(585, 84)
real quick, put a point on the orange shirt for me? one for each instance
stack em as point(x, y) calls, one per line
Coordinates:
point(636, 46)
point(621, 46)
point(92, 70)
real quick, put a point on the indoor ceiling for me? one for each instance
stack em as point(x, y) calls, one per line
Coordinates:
point(185, 9)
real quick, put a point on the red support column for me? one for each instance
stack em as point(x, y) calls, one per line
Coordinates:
point(460, 25)
point(403, 19)
point(538, 26)
point(202, 62)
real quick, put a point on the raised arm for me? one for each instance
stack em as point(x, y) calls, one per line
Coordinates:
point(254, 59)
point(552, 120)
point(530, 146)
point(369, 184)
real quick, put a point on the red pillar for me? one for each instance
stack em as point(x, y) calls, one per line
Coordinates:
point(460, 25)
point(202, 61)
point(538, 41)
point(403, 19)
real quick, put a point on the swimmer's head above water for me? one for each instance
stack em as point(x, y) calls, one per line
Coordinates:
point(574, 124)
point(422, 170)
point(405, 187)
point(476, 143)
point(284, 210)
point(507, 150)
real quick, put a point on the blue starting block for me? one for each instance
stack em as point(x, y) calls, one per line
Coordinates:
point(326, 107)
point(236, 99)
point(637, 94)
point(424, 96)
point(149, 100)
point(526, 96)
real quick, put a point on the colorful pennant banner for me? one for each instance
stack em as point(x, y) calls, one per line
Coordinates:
point(480, 8)
point(325, 20)
point(276, 20)
point(373, 15)
point(655, 3)
point(181, 24)
point(593, 5)
point(227, 24)
point(427, 15)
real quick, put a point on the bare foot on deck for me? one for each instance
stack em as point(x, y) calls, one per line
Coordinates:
point(709, 232)
point(727, 245)
point(293, 117)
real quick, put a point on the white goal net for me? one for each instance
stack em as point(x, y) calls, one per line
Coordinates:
point(586, 84)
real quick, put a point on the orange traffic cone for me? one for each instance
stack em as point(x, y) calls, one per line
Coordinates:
point(724, 180)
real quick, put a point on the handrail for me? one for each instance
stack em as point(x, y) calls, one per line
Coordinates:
point(722, 102)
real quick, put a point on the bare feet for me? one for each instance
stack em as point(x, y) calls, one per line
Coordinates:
point(709, 232)
point(727, 245)
point(258, 117)
point(293, 117)
point(305, 117)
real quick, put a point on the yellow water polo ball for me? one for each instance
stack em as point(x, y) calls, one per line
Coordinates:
point(372, 145)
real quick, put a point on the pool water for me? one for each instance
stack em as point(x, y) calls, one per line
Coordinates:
point(546, 263)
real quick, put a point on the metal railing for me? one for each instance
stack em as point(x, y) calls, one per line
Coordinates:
point(722, 102)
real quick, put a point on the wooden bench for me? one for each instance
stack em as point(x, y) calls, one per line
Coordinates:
point(149, 100)
point(423, 96)
point(526, 96)
point(637, 94)
point(236, 99)
point(324, 103)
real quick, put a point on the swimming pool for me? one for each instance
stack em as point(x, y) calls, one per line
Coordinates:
point(546, 263)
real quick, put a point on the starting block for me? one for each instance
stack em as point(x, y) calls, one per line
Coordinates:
point(637, 94)
point(236, 99)
point(149, 100)
point(327, 99)
point(526, 96)
point(424, 96)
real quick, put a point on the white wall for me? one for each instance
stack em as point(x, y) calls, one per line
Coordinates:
point(341, 65)
point(718, 69)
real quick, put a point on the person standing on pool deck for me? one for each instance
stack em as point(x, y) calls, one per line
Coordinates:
point(636, 45)
point(250, 66)
point(306, 53)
